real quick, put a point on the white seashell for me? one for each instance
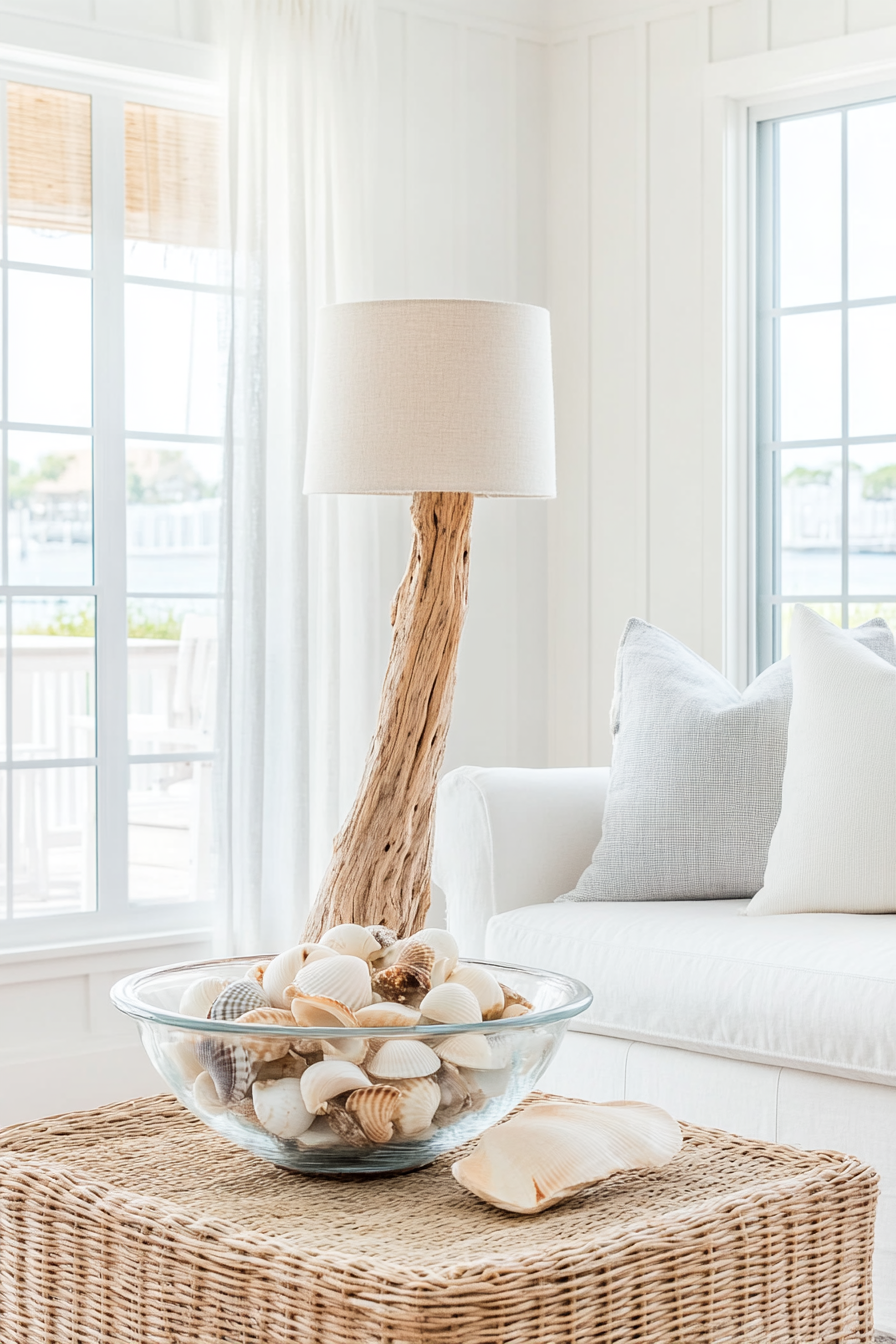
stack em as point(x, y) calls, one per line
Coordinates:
point(256, 973)
point(351, 940)
point(283, 970)
point(387, 1014)
point(182, 1058)
point(320, 1012)
point(330, 1078)
point(515, 1010)
point(374, 1109)
point(471, 1051)
point(484, 986)
point(351, 1048)
point(419, 1102)
point(551, 1150)
point(390, 954)
point(451, 1003)
point(205, 1095)
point(320, 1135)
point(346, 979)
point(443, 943)
point(441, 969)
point(199, 997)
point(280, 1107)
point(403, 1059)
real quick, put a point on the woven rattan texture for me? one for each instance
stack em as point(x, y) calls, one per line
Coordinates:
point(136, 1223)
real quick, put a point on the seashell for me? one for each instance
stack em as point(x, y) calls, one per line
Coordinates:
point(451, 1003)
point(231, 1066)
point(441, 969)
point(419, 955)
point(280, 1107)
point(346, 1126)
point(388, 1015)
point(321, 1082)
point(199, 997)
point(288, 1066)
point(309, 1011)
point(205, 1095)
point(443, 944)
point(470, 1051)
point(515, 1010)
point(511, 998)
point(454, 1092)
point(344, 978)
point(320, 1135)
point(256, 973)
point(484, 986)
point(409, 975)
point(385, 937)
point(404, 1058)
point(551, 1150)
point(351, 940)
point(239, 997)
point(374, 1109)
point(352, 1048)
point(283, 970)
point(417, 1105)
point(182, 1058)
point(266, 1048)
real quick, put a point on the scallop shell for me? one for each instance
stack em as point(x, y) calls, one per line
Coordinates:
point(470, 1051)
point(283, 970)
point(346, 1126)
point(182, 1057)
point(454, 1092)
point(344, 978)
point(351, 1048)
point(205, 1095)
point(451, 1003)
point(266, 1048)
point(484, 986)
point(351, 940)
point(199, 997)
point(551, 1150)
point(232, 1068)
point(515, 1010)
point(443, 944)
point(511, 998)
point(321, 1082)
point(408, 976)
point(309, 1011)
point(403, 1058)
point(388, 1015)
point(280, 1107)
point(374, 1109)
point(385, 937)
point(256, 973)
point(240, 996)
point(418, 1104)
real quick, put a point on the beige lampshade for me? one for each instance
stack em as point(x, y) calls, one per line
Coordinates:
point(432, 394)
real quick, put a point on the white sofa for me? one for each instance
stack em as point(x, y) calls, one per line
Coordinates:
point(781, 1028)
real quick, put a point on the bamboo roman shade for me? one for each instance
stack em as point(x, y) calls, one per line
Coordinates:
point(171, 176)
point(49, 158)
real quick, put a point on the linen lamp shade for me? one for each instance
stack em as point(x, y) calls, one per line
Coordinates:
point(432, 395)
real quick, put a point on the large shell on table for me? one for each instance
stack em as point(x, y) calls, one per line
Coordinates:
point(470, 1051)
point(318, 1011)
point(266, 1048)
point(388, 1015)
point(231, 1066)
point(403, 1059)
point(351, 940)
point(374, 1109)
point(344, 978)
point(443, 944)
point(451, 1003)
point(199, 997)
point(417, 1105)
point(330, 1078)
point(549, 1151)
point(240, 996)
point(483, 984)
point(284, 968)
point(280, 1107)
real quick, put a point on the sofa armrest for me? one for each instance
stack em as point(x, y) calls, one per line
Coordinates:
point(509, 837)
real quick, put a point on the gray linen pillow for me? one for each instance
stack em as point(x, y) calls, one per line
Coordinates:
point(695, 785)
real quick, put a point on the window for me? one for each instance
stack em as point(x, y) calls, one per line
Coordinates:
point(826, 269)
point(114, 332)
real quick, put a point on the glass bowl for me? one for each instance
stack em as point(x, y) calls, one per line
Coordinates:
point(470, 1098)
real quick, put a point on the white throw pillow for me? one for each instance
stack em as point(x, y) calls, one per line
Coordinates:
point(834, 847)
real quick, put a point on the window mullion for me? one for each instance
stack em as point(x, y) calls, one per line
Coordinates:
point(110, 544)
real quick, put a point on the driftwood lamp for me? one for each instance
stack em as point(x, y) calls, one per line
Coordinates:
point(440, 399)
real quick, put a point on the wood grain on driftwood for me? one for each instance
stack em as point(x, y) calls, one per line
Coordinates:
point(380, 870)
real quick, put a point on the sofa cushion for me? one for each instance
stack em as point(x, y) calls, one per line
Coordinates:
point(811, 991)
point(695, 786)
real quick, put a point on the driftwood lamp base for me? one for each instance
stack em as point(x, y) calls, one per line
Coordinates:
point(380, 870)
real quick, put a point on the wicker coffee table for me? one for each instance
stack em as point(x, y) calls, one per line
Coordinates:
point(136, 1223)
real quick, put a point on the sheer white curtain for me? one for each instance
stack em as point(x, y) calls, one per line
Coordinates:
point(303, 629)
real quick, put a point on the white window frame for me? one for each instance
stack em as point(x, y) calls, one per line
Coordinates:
point(110, 87)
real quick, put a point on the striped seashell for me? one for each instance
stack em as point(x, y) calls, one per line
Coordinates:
point(484, 986)
point(455, 1094)
point(470, 1051)
point(451, 1003)
point(344, 978)
point(386, 938)
point(321, 1082)
point(266, 1048)
point(284, 968)
point(240, 996)
point(374, 1109)
point(280, 1107)
point(388, 1015)
point(317, 1011)
point(403, 1059)
point(512, 999)
point(351, 940)
point(205, 1095)
point(443, 944)
point(346, 1126)
point(419, 1102)
point(199, 997)
point(232, 1068)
